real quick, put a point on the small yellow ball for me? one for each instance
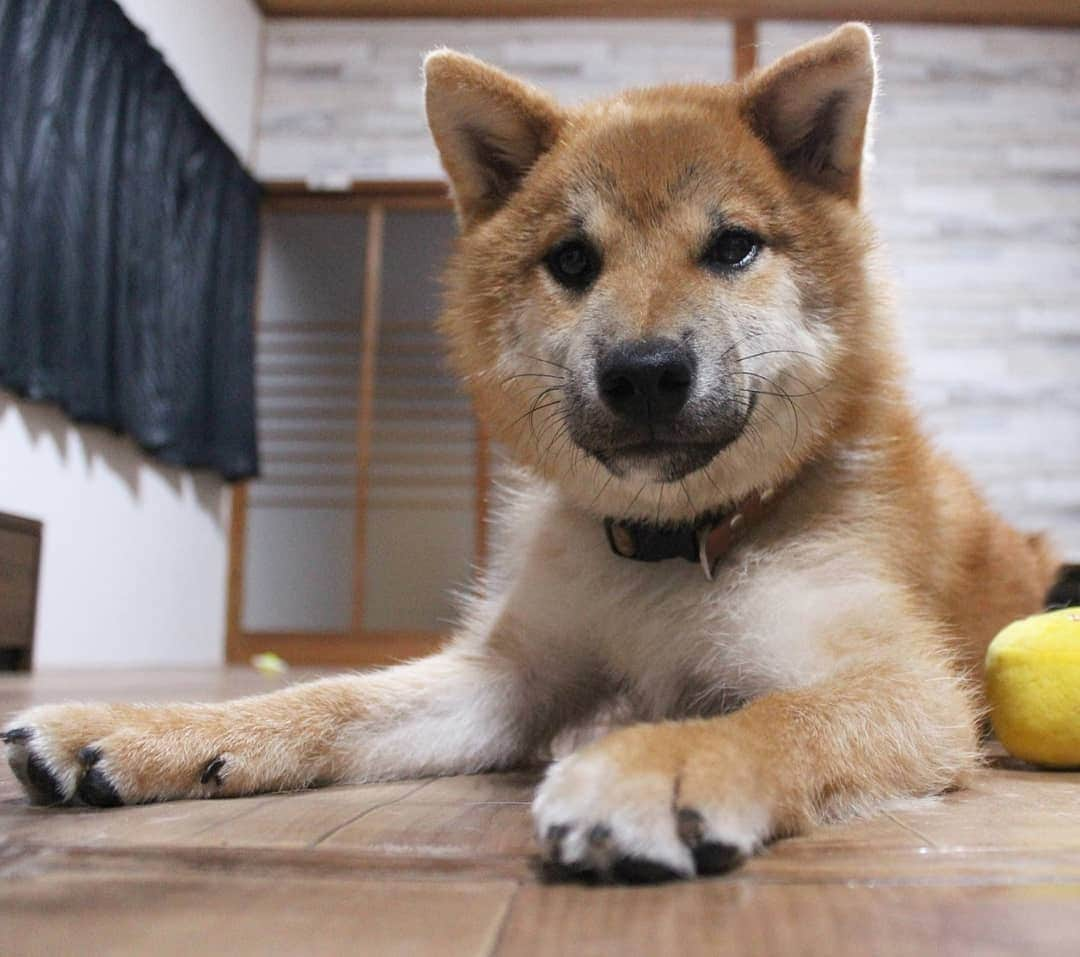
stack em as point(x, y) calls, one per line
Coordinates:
point(1033, 685)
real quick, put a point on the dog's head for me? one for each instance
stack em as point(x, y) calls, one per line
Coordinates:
point(661, 301)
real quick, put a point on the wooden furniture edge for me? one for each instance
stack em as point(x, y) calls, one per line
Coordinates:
point(35, 530)
point(26, 526)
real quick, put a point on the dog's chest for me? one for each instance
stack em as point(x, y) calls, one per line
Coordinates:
point(676, 641)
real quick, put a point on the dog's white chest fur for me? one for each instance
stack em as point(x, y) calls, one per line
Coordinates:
point(674, 642)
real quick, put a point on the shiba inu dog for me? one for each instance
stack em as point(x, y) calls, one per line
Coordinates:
point(666, 305)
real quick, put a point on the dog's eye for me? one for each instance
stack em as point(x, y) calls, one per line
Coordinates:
point(732, 249)
point(573, 263)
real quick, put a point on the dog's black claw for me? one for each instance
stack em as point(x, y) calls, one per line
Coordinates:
point(715, 857)
point(89, 756)
point(553, 842)
point(640, 870)
point(552, 872)
point(17, 735)
point(95, 789)
point(43, 787)
point(691, 826)
point(212, 771)
point(600, 835)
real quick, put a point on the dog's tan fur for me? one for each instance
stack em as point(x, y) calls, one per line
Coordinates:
point(821, 674)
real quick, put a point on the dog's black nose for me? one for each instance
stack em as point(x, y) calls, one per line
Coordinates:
point(646, 381)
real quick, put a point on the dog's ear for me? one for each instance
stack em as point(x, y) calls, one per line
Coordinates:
point(812, 108)
point(489, 128)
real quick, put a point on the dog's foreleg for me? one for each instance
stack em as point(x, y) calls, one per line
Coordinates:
point(654, 801)
point(457, 711)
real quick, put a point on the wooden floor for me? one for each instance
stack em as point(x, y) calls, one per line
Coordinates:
point(445, 867)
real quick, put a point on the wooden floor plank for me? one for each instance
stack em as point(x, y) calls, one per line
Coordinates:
point(431, 867)
point(736, 919)
point(55, 914)
point(174, 823)
point(459, 830)
point(513, 787)
point(1004, 809)
point(299, 819)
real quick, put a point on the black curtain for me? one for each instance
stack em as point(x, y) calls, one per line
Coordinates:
point(128, 240)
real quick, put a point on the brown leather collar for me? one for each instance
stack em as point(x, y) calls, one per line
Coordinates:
point(705, 541)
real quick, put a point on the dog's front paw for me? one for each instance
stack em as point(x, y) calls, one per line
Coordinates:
point(633, 808)
point(52, 752)
point(107, 755)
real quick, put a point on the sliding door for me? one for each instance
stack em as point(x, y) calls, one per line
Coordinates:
point(365, 517)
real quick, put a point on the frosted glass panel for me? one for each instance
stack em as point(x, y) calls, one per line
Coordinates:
point(298, 569)
point(421, 505)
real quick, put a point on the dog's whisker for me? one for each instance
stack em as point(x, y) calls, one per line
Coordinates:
point(602, 489)
point(686, 492)
point(547, 362)
point(536, 406)
point(540, 408)
point(559, 433)
point(637, 495)
point(781, 393)
point(739, 342)
point(775, 352)
point(707, 471)
point(552, 421)
point(535, 375)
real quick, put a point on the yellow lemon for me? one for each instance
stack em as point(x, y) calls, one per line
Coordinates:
point(1033, 685)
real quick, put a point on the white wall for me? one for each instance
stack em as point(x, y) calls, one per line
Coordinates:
point(215, 47)
point(134, 561)
point(134, 558)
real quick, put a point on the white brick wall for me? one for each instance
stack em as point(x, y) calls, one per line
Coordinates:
point(342, 99)
point(976, 191)
point(976, 187)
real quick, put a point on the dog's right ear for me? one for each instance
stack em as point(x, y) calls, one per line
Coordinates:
point(489, 128)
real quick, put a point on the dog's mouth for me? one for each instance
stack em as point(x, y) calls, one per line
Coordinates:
point(665, 454)
point(668, 461)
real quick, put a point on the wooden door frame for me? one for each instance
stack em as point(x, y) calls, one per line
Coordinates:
point(355, 647)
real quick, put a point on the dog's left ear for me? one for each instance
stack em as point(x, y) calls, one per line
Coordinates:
point(812, 107)
point(489, 128)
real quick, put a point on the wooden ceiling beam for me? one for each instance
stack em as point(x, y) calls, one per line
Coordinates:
point(1013, 12)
